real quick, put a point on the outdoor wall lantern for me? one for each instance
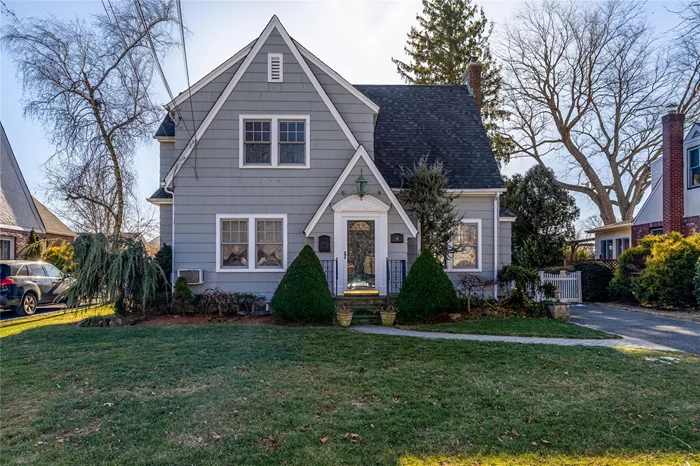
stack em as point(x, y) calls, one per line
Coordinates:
point(361, 182)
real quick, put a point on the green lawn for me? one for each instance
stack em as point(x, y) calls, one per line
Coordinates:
point(66, 316)
point(249, 394)
point(515, 327)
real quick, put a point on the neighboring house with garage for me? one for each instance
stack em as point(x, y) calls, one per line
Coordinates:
point(281, 152)
point(20, 212)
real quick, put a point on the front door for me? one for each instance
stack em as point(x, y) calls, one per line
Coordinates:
point(361, 260)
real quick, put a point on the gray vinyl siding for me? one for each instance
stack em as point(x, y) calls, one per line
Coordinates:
point(356, 114)
point(166, 224)
point(504, 243)
point(167, 158)
point(219, 187)
point(479, 207)
point(396, 251)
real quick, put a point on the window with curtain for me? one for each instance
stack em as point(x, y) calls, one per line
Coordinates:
point(234, 243)
point(466, 244)
point(269, 245)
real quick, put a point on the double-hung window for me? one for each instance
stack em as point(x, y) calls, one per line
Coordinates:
point(694, 167)
point(7, 248)
point(275, 141)
point(258, 142)
point(606, 249)
point(621, 245)
point(467, 247)
point(251, 242)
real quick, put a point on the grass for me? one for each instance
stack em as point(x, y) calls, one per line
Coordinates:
point(516, 327)
point(67, 316)
point(254, 395)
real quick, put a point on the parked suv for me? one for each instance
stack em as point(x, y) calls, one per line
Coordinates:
point(26, 284)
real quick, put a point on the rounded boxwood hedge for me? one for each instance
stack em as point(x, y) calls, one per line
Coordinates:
point(427, 290)
point(303, 294)
point(595, 279)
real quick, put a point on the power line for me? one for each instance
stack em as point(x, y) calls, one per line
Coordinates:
point(187, 75)
point(160, 69)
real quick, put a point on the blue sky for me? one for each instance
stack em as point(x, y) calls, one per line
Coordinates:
point(356, 38)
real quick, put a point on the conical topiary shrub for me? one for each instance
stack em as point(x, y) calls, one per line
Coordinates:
point(427, 290)
point(303, 294)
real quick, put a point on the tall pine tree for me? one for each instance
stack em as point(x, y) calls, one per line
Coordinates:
point(450, 32)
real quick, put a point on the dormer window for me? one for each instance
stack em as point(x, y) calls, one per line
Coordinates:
point(274, 67)
point(694, 167)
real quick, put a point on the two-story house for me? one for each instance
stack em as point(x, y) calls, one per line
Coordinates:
point(273, 150)
point(674, 202)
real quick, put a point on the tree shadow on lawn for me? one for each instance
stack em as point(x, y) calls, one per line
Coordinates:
point(269, 395)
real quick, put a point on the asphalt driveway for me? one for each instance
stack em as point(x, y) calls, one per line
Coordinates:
point(678, 334)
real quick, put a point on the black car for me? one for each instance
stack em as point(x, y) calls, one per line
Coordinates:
point(26, 284)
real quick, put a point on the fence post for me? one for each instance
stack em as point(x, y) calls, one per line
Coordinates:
point(580, 287)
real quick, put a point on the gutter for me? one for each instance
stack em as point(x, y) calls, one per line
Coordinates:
point(496, 219)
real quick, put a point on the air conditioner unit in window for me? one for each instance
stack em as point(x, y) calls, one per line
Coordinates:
point(192, 276)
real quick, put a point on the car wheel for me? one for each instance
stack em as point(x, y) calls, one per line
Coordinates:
point(28, 305)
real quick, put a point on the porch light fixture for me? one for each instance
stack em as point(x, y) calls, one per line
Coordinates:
point(361, 182)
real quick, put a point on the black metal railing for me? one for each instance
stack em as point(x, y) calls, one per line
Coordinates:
point(330, 268)
point(395, 274)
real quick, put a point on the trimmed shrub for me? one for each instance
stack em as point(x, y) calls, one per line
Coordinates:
point(303, 294)
point(629, 265)
point(667, 281)
point(427, 291)
point(183, 299)
point(595, 279)
point(60, 256)
point(696, 282)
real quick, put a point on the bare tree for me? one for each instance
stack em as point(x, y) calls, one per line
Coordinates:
point(88, 83)
point(586, 86)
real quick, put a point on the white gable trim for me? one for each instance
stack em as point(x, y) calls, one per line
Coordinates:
point(693, 134)
point(271, 26)
point(360, 153)
point(215, 73)
point(338, 78)
point(353, 203)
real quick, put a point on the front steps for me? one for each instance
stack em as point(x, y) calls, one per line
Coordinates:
point(365, 308)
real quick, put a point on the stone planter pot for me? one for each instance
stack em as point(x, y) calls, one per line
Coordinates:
point(344, 319)
point(388, 318)
point(560, 311)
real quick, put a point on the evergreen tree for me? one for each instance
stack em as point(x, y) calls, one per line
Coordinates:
point(425, 194)
point(33, 249)
point(449, 33)
point(545, 219)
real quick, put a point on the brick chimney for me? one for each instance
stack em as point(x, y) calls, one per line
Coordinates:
point(673, 174)
point(473, 80)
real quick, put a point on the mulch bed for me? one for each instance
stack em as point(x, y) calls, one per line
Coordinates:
point(205, 319)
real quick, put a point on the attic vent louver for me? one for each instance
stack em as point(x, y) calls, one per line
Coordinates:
point(274, 67)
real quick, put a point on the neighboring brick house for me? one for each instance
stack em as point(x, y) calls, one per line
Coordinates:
point(20, 213)
point(674, 202)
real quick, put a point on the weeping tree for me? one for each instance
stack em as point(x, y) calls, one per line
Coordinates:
point(113, 270)
point(88, 82)
point(425, 194)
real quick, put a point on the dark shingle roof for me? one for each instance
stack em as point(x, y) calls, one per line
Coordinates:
point(441, 121)
point(167, 128)
point(161, 193)
point(503, 212)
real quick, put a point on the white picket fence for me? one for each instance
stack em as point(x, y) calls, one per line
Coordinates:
point(569, 285)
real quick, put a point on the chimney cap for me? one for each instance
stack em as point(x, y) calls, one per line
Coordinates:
point(672, 108)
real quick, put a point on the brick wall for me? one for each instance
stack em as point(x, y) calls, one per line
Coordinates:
point(673, 188)
point(22, 239)
point(640, 231)
point(690, 225)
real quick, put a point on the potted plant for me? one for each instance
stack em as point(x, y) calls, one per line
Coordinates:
point(344, 314)
point(388, 315)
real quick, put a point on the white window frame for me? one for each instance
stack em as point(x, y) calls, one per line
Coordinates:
point(12, 245)
point(270, 57)
point(252, 241)
point(690, 168)
point(479, 251)
point(274, 141)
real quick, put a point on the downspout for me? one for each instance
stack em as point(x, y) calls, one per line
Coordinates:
point(496, 211)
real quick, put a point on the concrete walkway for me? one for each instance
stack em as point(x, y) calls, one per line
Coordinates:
point(613, 343)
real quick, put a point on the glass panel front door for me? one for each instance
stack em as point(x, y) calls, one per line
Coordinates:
point(361, 261)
